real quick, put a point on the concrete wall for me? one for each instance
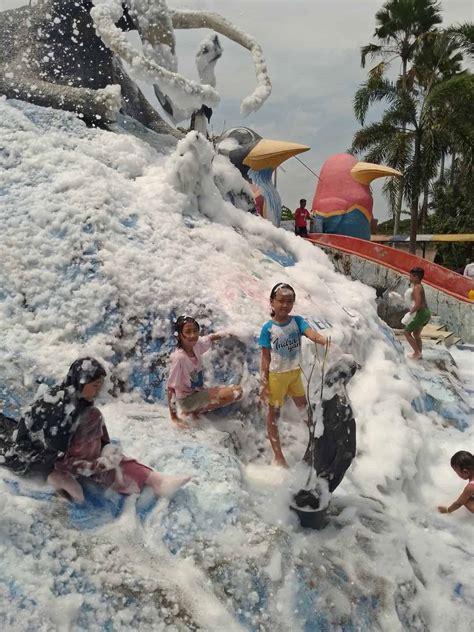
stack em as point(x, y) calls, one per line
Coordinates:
point(458, 316)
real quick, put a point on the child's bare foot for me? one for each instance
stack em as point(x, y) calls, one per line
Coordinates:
point(281, 463)
point(166, 485)
point(181, 424)
point(66, 486)
point(190, 419)
point(415, 356)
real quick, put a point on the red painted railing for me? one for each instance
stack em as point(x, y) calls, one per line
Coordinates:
point(438, 277)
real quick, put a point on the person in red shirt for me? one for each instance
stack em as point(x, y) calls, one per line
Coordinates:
point(301, 216)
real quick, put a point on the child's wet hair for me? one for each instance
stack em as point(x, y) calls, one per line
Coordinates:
point(180, 323)
point(418, 272)
point(84, 371)
point(276, 288)
point(463, 460)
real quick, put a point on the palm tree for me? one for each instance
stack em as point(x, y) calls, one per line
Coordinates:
point(451, 202)
point(384, 141)
point(419, 125)
point(395, 139)
point(400, 26)
point(450, 103)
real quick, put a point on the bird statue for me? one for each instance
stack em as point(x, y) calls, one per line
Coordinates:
point(331, 448)
point(343, 201)
point(333, 451)
point(256, 158)
point(209, 53)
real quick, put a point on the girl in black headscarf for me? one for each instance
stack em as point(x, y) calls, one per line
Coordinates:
point(64, 435)
point(45, 431)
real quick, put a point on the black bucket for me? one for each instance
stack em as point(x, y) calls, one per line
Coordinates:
point(306, 506)
point(311, 519)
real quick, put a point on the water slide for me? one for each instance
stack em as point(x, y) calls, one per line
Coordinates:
point(438, 277)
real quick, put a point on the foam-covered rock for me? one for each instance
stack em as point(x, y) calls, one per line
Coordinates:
point(104, 242)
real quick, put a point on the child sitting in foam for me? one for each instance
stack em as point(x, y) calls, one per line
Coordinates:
point(186, 392)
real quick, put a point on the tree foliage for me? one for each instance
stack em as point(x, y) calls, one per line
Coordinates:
point(428, 121)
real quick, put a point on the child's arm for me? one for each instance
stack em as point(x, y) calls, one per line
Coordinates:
point(460, 502)
point(264, 371)
point(219, 336)
point(315, 336)
point(172, 406)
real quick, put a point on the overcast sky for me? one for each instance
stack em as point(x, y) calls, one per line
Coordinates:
point(312, 49)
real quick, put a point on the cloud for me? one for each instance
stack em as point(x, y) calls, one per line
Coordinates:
point(312, 50)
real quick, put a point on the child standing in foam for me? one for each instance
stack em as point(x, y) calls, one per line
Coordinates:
point(280, 340)
point(463, 464)
point(186, 392)
point(420, 312)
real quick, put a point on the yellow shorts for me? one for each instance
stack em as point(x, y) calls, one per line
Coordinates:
point(281, 384)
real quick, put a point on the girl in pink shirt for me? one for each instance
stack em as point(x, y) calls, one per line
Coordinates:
point(186, 392)
point(463, 464)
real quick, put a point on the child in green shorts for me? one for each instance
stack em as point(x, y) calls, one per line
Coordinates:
point(421, 311)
